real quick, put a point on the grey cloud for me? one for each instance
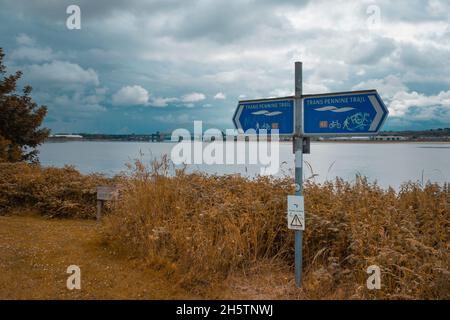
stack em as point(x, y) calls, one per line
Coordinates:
point(54, 10)
point(223, 21)
point(71, 107)
point(414, 10)
point(236, 47)
point(424, 57)
point(372, 51)
point(183, 20)
point(32, 54)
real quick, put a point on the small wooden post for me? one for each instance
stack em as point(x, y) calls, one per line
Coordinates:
point(105, 193)
point(99, 209)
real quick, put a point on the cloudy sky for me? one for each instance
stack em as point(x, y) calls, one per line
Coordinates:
point(141, 66)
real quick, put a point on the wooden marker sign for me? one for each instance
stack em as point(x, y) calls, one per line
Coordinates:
point(105, 193)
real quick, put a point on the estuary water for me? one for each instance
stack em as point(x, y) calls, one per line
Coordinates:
point(390, 164)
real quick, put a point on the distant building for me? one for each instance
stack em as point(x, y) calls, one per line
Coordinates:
point(347, 138)
point(390, 138)
point(66, 136)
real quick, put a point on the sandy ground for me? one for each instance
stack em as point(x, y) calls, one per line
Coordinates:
point(35, 253)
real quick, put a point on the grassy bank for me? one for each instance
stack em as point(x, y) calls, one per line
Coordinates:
point(203, 230)
point(52, 192)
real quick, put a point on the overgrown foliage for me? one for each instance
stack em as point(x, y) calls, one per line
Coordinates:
point(20, 119)
point(200, 229)
point(206, 227)
point(52, 192)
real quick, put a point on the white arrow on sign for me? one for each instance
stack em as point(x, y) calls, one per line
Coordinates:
point(238, 116)
point(271, 113)
point(380, 112)
point(343, 113)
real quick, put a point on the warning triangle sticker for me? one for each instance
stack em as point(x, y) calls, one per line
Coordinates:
point(296, 222)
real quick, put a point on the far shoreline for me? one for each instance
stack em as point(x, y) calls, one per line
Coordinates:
point(285, 141)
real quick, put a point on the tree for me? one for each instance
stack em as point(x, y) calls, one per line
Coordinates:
point(20, 119)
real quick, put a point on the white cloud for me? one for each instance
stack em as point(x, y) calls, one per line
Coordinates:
point(386, 87)
point(193, 97)
point(28, 50)
point(161, 102)
point(313, 87)
point(70, 91)
point(281, 93)
point(402, 101)
point(61, 72)
point(137, 95)
point(131, 96)
point(220, 96)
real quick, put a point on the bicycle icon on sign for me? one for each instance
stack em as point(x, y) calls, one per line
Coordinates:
point(357, 121)
point(335, 124)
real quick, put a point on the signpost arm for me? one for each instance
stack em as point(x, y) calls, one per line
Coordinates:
point(298, 149)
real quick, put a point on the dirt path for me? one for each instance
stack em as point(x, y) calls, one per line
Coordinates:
point(35, 254)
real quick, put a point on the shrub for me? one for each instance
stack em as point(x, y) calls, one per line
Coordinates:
point(52, 192)
point(201, 228)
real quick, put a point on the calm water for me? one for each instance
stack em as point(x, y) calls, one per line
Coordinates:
point(389, 164)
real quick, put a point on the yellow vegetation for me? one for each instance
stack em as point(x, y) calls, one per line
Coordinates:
point(54, 192)
point(202, 230)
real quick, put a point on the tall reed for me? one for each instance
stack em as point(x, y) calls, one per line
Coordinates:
point(201, 228)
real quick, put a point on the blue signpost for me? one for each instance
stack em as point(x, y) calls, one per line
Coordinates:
point(331, 114)
point(347, 113)
point(266, 114)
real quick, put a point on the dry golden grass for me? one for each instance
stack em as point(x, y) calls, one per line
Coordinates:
point(202, 230)
point(54, 192)
point(35, 253)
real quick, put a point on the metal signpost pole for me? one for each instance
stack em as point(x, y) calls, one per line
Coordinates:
point(298, 149)
point(327, 114)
